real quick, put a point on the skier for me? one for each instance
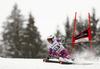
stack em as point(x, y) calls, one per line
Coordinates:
point(56, 49)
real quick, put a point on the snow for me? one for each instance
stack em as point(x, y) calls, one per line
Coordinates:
point(10, 63)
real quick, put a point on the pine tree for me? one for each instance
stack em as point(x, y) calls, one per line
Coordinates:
point(33, 47)
point(97, 36)
point(79, 25)
point(58, 33)
point(94, 22)
point(11, 34)
point(67, 30)
point(68, 35)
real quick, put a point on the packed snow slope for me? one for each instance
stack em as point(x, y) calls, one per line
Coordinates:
point(9, 63)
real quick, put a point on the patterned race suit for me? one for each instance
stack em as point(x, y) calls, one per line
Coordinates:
point(57, 50)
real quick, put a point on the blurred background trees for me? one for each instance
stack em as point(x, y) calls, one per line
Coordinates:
point(26, 42)
point(32, 44)
point(20, 42)
point(12, 31)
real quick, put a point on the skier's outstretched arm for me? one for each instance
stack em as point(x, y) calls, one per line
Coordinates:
point(50, 54)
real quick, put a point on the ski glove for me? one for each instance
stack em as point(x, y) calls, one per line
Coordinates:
point(48, 57)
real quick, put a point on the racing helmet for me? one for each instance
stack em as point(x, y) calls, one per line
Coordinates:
point(51, 37)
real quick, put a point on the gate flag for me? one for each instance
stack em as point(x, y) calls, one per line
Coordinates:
point(84, 36)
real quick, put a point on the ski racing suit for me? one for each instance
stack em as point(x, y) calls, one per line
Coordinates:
point(57, 50)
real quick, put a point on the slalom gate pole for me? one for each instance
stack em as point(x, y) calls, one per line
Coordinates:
point(73, 33)
point(90, 32)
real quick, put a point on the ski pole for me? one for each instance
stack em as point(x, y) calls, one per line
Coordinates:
point(79, 41)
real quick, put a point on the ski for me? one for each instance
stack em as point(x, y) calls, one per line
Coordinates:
point(66, 63)
point(60, 62)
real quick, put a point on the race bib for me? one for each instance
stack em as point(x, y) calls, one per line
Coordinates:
point(57, 47)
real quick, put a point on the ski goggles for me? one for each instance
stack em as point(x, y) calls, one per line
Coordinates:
point(49, 40)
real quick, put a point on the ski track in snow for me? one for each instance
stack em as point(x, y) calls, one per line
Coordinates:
point(9, 63)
